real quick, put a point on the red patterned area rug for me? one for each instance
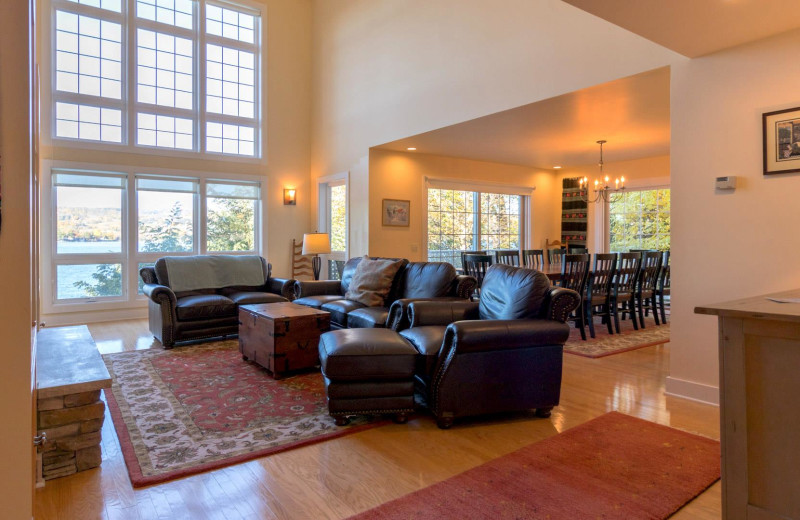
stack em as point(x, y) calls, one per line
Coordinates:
point(605, 344)
point(612, 467)
point(201, 407)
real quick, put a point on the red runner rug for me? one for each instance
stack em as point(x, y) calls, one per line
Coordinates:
point(192, 409)
point(612, 467)
point(605, 344)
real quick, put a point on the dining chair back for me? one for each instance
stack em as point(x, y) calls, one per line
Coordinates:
point(629, 266)
point(507, 257)
point(476, 267)
point(598, 290)
point(555, 255)
point(646, 289)
point(465, 253)
point(577, 250)
point(533, 258)
point(663, 287)
point(574, 275)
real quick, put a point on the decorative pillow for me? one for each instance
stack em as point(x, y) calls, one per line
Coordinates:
point(372, 281)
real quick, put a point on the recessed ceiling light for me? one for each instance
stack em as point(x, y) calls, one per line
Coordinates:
point(411, 149)
point(556, 167)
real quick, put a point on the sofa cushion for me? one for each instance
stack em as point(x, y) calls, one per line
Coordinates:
point(512, 293)
point(372, 281)
point(204, 306)
point(428, 279)
point(250, 297)
point(365, 354)
point(428, 341)
point(367, 318)
point(339, 310)
point(317, 301)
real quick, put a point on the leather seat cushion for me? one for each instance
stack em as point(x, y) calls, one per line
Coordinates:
point(317, 301)
point(250, 297)
point(367, 318)
point(339, 310)
point(204, 306)
point(365, 355)
point(428, 341)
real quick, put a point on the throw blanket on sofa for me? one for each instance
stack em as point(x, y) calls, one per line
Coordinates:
point(187, 273)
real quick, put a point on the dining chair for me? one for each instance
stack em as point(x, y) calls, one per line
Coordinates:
point(507, 257)
point(533, 258)
point(646, 289)
point(465, 253)
point(555, 255)
point(575, 275)
point(476, 267)
point(577, 250)
point(663, 287)
point(598, 290)
point(629, 266)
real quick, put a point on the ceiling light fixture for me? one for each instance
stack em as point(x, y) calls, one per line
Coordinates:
point(602, 189)
point(556, 167)
point(411, 149)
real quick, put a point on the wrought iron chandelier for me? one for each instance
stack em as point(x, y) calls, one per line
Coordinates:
point(603, 190)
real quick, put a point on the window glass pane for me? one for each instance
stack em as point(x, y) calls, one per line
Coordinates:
point(338, 217)
point(88, 123)
point(110, 5)
point(164, 70)
point(230, 82)
point(88, 280)
point(171, 12)
point(640, 220)
point(140, 289)
point(230, 139)
point(451, 217)
point(88, 220)
point(164, 131)
point(88, 55)
point(230, 24)
point(500, 221)
point(243, 190)
point(165, 221)
point(230, 224)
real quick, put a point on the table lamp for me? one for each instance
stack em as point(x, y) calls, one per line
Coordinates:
point(316, 244)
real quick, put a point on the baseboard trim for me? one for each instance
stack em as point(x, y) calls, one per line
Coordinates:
point(82, 318)
point(699, 392)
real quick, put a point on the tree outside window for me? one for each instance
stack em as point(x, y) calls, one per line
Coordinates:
point(640, 220)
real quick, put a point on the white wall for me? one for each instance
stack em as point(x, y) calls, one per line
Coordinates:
point(16, 303)
point(727, 245)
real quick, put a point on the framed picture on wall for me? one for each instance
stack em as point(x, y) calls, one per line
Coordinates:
point(396, 212)
point(782, 141)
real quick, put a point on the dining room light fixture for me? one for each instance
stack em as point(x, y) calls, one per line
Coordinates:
point(603, 190)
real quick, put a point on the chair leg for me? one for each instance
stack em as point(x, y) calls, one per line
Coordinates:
point(662, 307)
point(580, 321)
point(615, 310)
point(607, 308)
point(655, 309)
point(641, 311)
point(588, 314)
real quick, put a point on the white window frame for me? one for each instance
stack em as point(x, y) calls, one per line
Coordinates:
point(130, 255)
point(323, 215)
point(526, 212)
point(128, 104)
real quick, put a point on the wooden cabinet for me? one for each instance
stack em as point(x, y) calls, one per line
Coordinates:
point(759, 347)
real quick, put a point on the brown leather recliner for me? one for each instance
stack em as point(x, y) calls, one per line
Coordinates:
point(501, 354)
point(204, 312)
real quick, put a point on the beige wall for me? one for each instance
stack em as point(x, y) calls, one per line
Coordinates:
point(287, 133)
point(16, 304)
point(639, 173)
point(399, 175)
point(395, 68)
point(727, 245)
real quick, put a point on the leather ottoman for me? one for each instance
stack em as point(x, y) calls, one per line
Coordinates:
point(367, 371)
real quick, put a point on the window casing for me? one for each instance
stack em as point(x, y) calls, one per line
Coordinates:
point(181, 76)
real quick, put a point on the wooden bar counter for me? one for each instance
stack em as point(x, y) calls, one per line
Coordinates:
point(759, 347)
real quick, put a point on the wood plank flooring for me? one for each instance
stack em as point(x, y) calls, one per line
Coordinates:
point(341, 477)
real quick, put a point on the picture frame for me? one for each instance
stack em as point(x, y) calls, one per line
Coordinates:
point(781, 141)
point(396, 213)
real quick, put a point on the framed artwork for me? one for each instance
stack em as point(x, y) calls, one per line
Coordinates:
point(396, 212)
point(782, 141)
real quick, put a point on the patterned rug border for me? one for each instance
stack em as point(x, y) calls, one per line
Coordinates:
point(138, 480)
point(580, 343)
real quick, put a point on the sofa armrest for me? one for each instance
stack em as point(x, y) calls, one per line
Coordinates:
point(422, 313)
point(282, 286)
point(303, 288)
point(484, 335)
point(560, 303)
point(160, 294)
point(398, 312)
point(465, 286)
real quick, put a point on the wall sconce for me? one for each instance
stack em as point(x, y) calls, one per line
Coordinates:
point(289, 197)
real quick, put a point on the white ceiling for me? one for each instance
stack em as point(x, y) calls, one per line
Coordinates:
point(697, 27)
point(632, 114)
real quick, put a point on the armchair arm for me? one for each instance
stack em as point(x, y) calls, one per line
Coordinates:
point(465, 286)
point(421, 313)
point(560, 303)
point(398, 312)
point(160, 294)
point(282, 286)
point(483, 335)
point(303, 288)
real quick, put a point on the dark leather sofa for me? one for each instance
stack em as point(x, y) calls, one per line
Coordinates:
point(501, 354)
point(414, 281)
point(203, 312)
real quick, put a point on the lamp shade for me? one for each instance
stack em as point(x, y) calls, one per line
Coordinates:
point(316, 244)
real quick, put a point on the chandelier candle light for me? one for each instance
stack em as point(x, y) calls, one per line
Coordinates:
point(602, 189)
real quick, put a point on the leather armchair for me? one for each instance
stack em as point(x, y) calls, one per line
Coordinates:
point(501, 354)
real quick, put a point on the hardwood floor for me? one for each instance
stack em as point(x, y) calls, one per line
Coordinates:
point(340, 477)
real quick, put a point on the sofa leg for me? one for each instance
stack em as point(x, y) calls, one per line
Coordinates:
point(401, 418)
point(444, 422)
point(341, 420)
point(544, 412)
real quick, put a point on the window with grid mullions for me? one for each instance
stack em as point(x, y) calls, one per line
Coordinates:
point(178, 75)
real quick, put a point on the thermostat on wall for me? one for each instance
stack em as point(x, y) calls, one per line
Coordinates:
point(726, 183)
